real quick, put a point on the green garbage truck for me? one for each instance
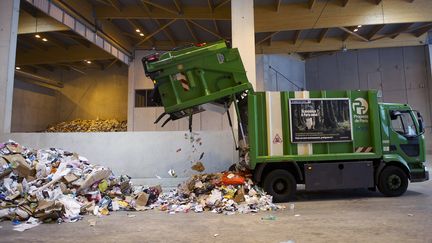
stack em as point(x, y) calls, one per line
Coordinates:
point(322, 139)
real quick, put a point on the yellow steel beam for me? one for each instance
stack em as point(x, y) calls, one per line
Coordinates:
point(59, 55)
point(332, 44)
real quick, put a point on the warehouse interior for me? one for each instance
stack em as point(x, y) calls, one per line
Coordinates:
point(80, 62)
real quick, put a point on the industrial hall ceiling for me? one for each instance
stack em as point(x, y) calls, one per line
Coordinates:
point(305, 27)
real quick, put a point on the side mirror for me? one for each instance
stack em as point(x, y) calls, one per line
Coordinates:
point(395, 114)
point(420, 122)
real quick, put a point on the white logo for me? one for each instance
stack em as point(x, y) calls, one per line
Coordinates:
point(360, 106)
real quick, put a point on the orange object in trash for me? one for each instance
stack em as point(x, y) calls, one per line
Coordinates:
point(232, 179)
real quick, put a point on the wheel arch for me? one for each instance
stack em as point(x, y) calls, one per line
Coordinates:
point(262, 169)
point(399, 164)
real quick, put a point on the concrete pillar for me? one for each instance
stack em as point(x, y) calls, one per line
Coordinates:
point(243, 35)
point(429, 85)
point(9, 13)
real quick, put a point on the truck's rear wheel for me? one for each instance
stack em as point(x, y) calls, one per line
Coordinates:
point(281, 184)
point(392, 181)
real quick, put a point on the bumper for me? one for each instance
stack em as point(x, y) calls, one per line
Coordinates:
point(420, 176)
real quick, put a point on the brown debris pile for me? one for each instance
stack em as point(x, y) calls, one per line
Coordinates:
point(224, 193)
point(98, 125)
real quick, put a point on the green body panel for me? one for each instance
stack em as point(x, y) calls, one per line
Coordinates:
point(194, 76)
point(364, 134)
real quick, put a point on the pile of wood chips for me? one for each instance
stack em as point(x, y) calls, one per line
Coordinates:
point(79, 125)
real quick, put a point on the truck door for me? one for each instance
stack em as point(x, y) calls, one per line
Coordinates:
point(404, 135)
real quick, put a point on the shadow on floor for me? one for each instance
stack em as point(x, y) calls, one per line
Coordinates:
point(347, 194)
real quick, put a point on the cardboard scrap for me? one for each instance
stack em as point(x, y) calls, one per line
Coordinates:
point(20, 166)
point(96, 175)
point(198, 166)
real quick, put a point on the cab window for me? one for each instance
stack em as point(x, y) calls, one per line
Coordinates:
point(403, 123)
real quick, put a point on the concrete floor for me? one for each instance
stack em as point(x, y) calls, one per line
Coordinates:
point(336, 216)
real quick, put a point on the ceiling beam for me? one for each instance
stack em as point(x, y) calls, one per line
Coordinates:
point(28, 24)
point(115, 4)
point(322, 34)
point(168, 33)
point(334, 43)
point(353, 33)
point(374, 31)
point(423, 29)
point(216, 27)
point(206, 29)
point(294, 16)
point(137, 26)
point(402, 28)
point(54, 40)
point(178, 6)
point(277, 5)
point(413, 30)
point(162, 7)
point(166, 30)
point(156, 31)
point(266, 38)
point(189, 12)
point(296, 36)
point(344, 3)
point(191, 31)
point(221, 4)
point(311, 4)
point(358, 12)
point(84, 10)
point(59, 55)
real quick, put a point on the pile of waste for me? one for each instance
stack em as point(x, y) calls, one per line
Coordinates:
point(54, 185)
point(98, 125)
point(225, 193)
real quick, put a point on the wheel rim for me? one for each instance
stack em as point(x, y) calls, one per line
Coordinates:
point(394, 182)
point(280, 186)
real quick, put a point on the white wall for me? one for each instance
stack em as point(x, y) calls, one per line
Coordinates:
point(400, 73)
point(142, 155)
point(280, 72)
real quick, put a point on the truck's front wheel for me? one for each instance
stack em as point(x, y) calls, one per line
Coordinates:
point(392, 181)
point(281, 184)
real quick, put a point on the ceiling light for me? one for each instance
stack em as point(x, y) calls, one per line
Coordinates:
point(45, 39)
point(355, 30)
point(138, 30)
point(17, 68)
point(88, 62)
point(359, 26)
point(37, 36)
point(141, 34)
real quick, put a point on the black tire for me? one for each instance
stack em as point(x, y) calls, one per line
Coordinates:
point(393, 181)
point(280, 184)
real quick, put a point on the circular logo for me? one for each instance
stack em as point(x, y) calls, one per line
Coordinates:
point(360, 106)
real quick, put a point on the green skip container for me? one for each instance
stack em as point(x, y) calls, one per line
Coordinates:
point(185, 79)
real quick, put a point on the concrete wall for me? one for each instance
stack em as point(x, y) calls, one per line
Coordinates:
point(34, 107)
point(280, 72)
point(400, 73)
point(142, 155)
point(96, 94)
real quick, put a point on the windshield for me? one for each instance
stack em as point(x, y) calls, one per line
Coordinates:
point(403, 124)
